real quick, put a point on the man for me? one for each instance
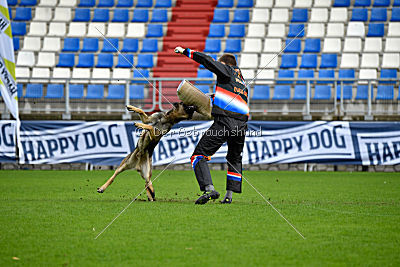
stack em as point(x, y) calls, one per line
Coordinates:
point(230, 112)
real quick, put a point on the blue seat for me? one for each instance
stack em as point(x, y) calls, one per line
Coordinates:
point(130, 45)
point(82, 14)
point(221, 15)
point(87, 3)
point(144, 3)
point(18, 28)
point(116, 91)
point(125, 3)
point(140, 15)
point(141, 74)
point(204, 88)
point(212, 46)
point(85, 60)
point(378, 14)
point(136, 91)
point(309, 61)
point(347, 74)
point(296, 30)
point(76, 91)
point(34, 90)
point(260, 92)
point(90, 45)
point(71, 45)
point(110, 45)
point(362, 3)
point(328, 61)
point(20, 90)
point(233, 45)
point(323, 73)
point(396, 3)
point(300, 15)
point(381, 2)
point(105, 61)
point(347, 92)
point(376, 30)
point(101, 15)
point(312, 46)
point(395, 14)
point(159, 15)
point(292, 46)
point(388, 74)
point(305, 74)
point(225, 3)
point(216, 30)
point(163, 3)
point(10, 12)
point(55, 91)
point(281, 92)
point(149, 45)
point(121, 15)
point(28, 3)
point(385, 92)
point(245, 3)
point(204, 73)
point(16, 43)
point(241, 15)
point(12, 2)
point(23, 14)
point(300, 92)
point(359, 14)
point(341, 3)
point(362, 92)
point(322, 92)
point(154, 30)
point(66, 60)
point(282, 74)
point(289, 61)
point(95, 91)
point(145, 61)
point(105, 3)
point(237, 30)
point(125, 61)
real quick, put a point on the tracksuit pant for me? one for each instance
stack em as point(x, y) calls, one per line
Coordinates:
point(224, 129)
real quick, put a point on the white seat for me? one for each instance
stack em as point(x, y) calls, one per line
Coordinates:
point(32, 43)
point(280, 15)
point(96, 29)
point(276, 30)
point(355, 29)
point(394, 29)
point(38, 29)
point(59, 74)
point(322, 3)
point(101, 75)
point(120, 75)
point(26, 59)
point(373, 44)
point(252, 45)
point(272, 45)
point(303, 3)
point(370, 60)
point(315, 30)
point(135, 30)
point(350, 61)
point(335, 30)
point(43, 14)
point(70, 3)
point(256, 30)
point(51, 44)
point(283, 3)
point(57, 29)
point(338, 15)
point(248, 61)
point(62, 14)
point(116, 30)
point(22, 74)
point(83, 74)
point(260, 15)
point(392, 45)
point(367, 74)
point(265, 74)
point(319, 15)
point(46, 59)
point(248, 74)
point(48, 2)
point(77, 29)
point(391, 60)
point(352, 45)
point(268, 61)
point(42, 73)
point(264, 3)
point(332, 45)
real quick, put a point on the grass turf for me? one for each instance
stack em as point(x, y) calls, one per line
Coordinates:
point(52, 218)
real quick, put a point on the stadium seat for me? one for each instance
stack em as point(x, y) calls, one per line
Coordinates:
point(12, 2)
point(121, 15)
point(281, 92)
point(272, 45)
point(260, 92)
point(266, 76)
point(116, 30)
point(136, 91)
point(135, 30)
point(68, 3)
point(105, 3)
point(366, 75)
point(388, 74)
point(376, 30)
point(381, 2)
point(66, 60)
point(362, 92)
point(130, 45)
point(309, 61)
point(101, 15)
point(347, 74)
point(326, 73)
point(145, 61)
point(46, 59)
point(256, 30)
point(140, 15)
point(319, 15)
point(26, 58)
point(101, 75)
point(20, 90)
point(356, 29)
point(63, 14)
point(42, 14)
point(349, 61)
point(237, 30)
point(90, 45)
point(154, 30)
point(57, 29)
point(87, 3)
point(288, 61)
point(370, 60)
point(141, 74)
point(55, 91)
point(105, 61)
point(76, 91)
point(96, 29)
point(233, 46)
point(16, 43)
point(385, 92)
point(347, 92)
point(338, 15)
point(28, 3)
point(395, 14)
point(362, 3)
point(149, 45)
point(125, 61)
point(216, 30)
point(116, 91)
point(37, 28)
point(204, 73)
point(51, 44)
point(312, 46)
point(221, 16)
point(316, 30)
point(260, 15)
point(341, 3)
point(159, 15)
point(82, 14)
point(32, 43)
point(373, 45)
point(396, 3)
point(389, 60)
point(359, 14)
point(120, 75)
point(163, 3)
point(335, 30)
point(95, 91)
point(82, 75)
point(280, 15)
point(328, 61)
point(248, 61)
point(305, 74)
point(284, 74)
point(241, 15)
point(110, 45)
point(34, 90)
point(292, 46)
point(124, 3)
point(76, 29)
point(269, 61)
point(225, 3)
point(296, 30)
point(332, 45)
point(23, 14)
point(85, 61)
point(40, 75)
point(392, 45)
point(276, 30)
point(144, 3)
point(212, 45)
point(352, 45)
point(61, 73)
point(378, 14)
point(18, 28)
point(252, 45)
point(322, 92)
point(245, 4)
point(299, 15)
point(300, 92)
point(283, 3)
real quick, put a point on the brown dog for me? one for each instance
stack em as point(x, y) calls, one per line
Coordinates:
point(155, 126)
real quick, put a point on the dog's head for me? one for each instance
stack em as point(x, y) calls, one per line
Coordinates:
point(181, 111)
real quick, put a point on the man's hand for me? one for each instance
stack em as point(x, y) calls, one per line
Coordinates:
point(179, 50)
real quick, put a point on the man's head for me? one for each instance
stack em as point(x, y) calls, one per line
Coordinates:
point(228, 59)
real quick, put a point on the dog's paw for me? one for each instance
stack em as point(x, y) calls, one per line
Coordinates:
point(100, 190)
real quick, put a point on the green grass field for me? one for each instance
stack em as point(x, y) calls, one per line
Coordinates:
point(50, 218)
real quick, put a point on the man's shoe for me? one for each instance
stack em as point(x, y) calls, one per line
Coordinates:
point(206, 197)
point(226, 200)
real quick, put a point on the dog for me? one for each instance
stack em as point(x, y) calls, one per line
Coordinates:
point(154, 126)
